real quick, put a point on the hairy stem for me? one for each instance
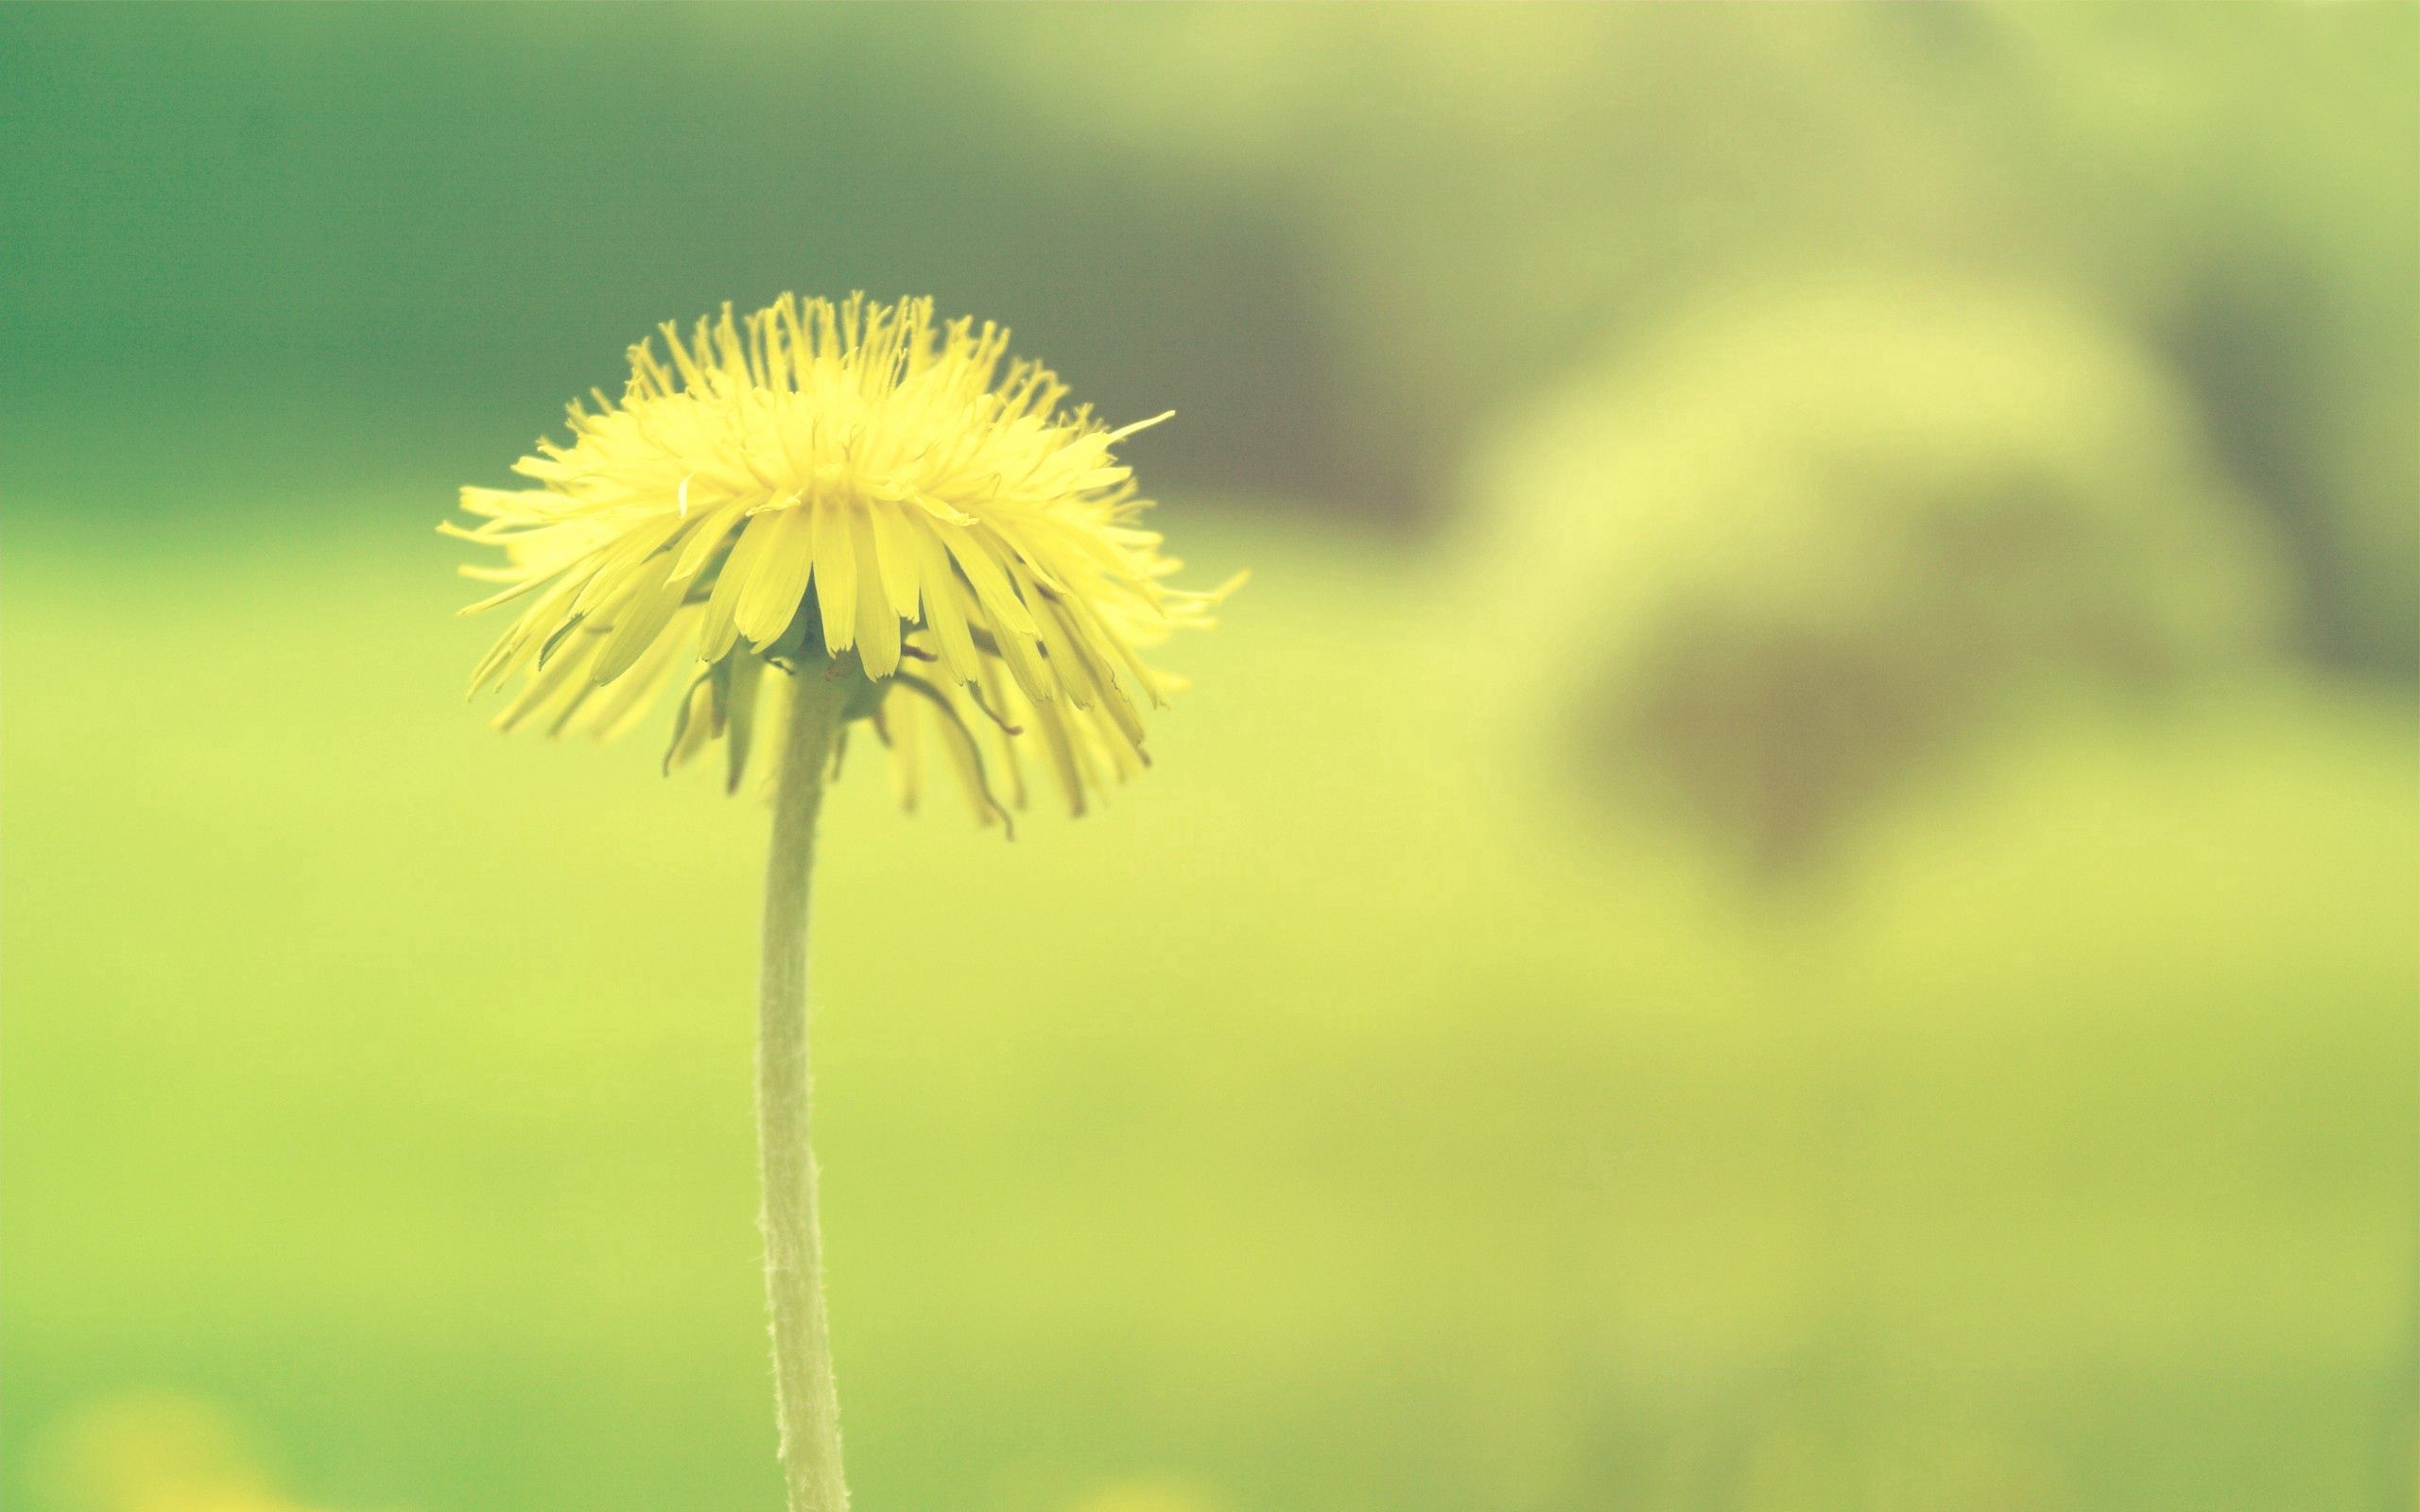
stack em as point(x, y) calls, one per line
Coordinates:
point(805, 1398)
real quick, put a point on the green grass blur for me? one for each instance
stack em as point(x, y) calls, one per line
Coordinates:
point(1312, 1127)
point(1396, 1102)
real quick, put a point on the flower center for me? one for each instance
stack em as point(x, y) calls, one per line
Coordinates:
point(830, 481)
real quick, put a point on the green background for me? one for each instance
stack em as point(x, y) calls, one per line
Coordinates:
point(1398, 1100)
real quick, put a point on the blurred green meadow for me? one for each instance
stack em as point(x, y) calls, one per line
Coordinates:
point(1776, 896)
point(1308, 1128)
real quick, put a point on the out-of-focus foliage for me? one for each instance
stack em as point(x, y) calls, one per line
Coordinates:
point(1815, 534)
point(2242, 179)
point(1498, 195)
point(1495, 192)
point(2211, 213)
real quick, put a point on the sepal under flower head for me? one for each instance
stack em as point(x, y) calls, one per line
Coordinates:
point(850, 489)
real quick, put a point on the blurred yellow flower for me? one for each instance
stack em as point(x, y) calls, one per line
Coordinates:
point(1149, 1495)
point(831, 488)
point(156, 1454)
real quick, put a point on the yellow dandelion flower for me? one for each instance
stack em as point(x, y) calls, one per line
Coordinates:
point(887, 519)
point(855, 485)
point(154, 1453)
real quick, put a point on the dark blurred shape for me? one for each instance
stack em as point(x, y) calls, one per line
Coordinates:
point(1788, 559)
point(2245, 181)
point(1493, 191)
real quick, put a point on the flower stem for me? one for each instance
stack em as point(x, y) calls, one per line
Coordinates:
point(804, 1399)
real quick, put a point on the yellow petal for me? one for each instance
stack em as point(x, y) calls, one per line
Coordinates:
point(895, 550)
point(836, 577)
point(776, 580)
point(719, 629)
point(877, 625)
point(647, 608)
point(944, 609)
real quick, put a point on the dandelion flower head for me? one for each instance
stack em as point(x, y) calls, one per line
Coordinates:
point(851, 489)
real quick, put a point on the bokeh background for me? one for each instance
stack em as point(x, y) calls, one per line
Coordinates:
point(1793, 887)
